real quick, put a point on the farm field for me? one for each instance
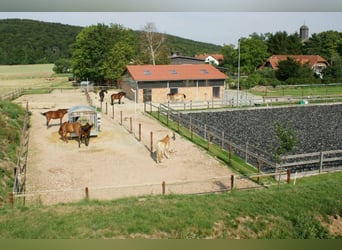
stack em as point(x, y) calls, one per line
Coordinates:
point(27, 76)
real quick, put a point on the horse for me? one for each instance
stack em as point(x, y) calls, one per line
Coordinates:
point(102, 94)
point(163, 147)
point(56, 114)
point(117, 96)
point(69, 127)
point(176, 96)
point(85, 133)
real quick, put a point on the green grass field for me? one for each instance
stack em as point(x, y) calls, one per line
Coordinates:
point(301, 211)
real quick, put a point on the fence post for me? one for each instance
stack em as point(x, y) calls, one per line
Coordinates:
point(208, 141)
point(168, 116)
point(130, 125)
point(86, 193)
point(144, 107)
point(232, 179)
point(113, 110)
point(151, 139)
point(120, 117)
point(11, 199)
point(139, 131)
point(246, 152)
point(190, 104)
point(158, 113)
point(230, 153)
point(151, 108)
point(178, 122)
point(321, 162)
point(163, 187)
point(259, 169)
point(106, 108)
point(288, 172)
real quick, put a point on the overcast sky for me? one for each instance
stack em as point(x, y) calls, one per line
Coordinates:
point(212, 27)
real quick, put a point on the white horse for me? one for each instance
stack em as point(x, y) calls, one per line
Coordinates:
point(163, 147)
point(176, 96)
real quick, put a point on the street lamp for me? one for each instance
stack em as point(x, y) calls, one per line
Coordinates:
point(238, 82)
point(135, 108)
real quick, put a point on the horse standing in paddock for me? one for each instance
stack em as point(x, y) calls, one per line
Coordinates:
point(85, 133)
point(163, 146)
point(117, 96)
point(56, 114)
point(102, 94)
point(176, 96)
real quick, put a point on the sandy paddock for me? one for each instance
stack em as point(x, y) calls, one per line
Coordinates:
point(115, 164)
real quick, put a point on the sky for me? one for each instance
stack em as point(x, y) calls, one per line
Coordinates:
point(211, 27)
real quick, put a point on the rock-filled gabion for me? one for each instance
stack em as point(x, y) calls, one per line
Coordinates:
point(316, 127)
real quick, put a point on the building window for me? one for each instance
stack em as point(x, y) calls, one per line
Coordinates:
point(216, 92)
point(147, 72)
point(173, 90)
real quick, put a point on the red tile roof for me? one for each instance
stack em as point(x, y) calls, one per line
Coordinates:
point(218, 57)
point(175, 72)
point(311, 59)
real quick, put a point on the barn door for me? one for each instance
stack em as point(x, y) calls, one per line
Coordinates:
point(147, 95)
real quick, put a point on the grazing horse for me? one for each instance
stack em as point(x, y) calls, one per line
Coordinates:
point(56, 114)
point(117, 96)
point(102, 94)
point(85, 133)
point(69, 127)
point(176, 96)
point(163, 146)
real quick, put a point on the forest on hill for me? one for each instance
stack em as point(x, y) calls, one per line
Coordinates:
point(26, 41)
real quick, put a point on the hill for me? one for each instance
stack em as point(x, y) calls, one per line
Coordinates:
point(26, 41)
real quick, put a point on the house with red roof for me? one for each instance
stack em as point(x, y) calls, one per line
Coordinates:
point(154, 82)
point(215, 59)
point(316, 62)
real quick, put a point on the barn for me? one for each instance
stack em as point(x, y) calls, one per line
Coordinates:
point(153, 82)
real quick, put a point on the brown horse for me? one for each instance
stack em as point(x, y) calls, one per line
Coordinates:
point(117, 96)
point(55, 114)
point(102, 94)
point(73, 127)
point(176, 96)
point(85, 133)
point(163, 147)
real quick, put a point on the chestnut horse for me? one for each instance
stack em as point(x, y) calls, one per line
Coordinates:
point(163, 146)
point(76, 127)
point(176, 96)
point(55, 114)
point(117, 96)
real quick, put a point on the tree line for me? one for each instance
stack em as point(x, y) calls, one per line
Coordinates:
point(101, 52)
point(255, 49)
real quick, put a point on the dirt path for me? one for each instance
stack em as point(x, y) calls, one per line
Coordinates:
point(115, 164)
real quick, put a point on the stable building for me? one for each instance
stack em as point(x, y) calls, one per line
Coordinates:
point(152, 83)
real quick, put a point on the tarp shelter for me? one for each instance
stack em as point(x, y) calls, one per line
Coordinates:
point(84, 114)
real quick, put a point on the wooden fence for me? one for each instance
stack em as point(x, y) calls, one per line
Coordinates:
point(20, 168)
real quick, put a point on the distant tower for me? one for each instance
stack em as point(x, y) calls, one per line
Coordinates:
point(304, 33)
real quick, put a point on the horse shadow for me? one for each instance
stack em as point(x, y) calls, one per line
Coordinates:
point(221, 186)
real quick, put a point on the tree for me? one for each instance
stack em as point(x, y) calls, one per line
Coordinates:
point(62, 66)
point(101, 52)
point(253, 52)
point(153, 47)
point(286, 140)
point(325, 44)
point(281, 43)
